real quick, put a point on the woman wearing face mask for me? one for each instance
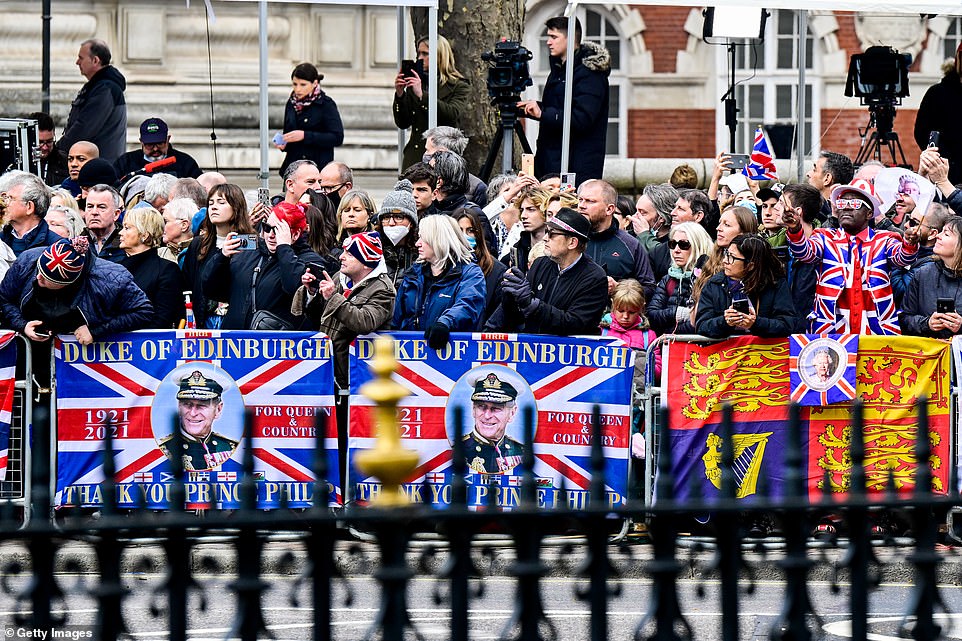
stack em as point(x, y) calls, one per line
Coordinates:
point(312, 124)
point(397, 225)
point(492, 269)
point(670, 309)
point(444, 291)
point(750, 296)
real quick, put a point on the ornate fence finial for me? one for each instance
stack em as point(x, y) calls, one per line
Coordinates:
point(387, 461)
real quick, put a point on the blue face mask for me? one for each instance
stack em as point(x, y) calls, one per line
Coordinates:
point(472, 243)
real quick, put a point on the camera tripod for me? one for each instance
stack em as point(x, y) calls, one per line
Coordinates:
point(881, 122)
point(510, 125)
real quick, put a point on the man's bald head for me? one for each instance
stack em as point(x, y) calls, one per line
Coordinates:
point(80, 153)
point(210, 179)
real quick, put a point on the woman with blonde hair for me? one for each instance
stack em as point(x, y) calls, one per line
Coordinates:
point(355, 215)
point(160, 279)
point(444, 291)
point(670, 308)
point(411, 97)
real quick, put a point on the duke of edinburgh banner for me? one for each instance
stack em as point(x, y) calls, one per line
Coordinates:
point(753, 375)
point(139, 382)
point(495, 378)
point(8, 366)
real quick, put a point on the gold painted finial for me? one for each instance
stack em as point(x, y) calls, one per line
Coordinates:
point(387, 461)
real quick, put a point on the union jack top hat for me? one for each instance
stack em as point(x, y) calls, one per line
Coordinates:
point(64, 261)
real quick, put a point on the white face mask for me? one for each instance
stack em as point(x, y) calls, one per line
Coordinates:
point(395, 233)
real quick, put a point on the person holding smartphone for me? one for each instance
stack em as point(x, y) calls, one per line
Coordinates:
point(933, 298)
point(750, 296)
point(411, 97)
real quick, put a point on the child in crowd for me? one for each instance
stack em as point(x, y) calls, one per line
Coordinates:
point(629, 323)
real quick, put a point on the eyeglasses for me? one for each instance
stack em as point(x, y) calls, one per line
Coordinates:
point(849, 203)
point(728, 257)
point(327, 189)
point(45, 143)
point(551, 233)
point(683, 244)
point(911, 222)
point(395, 218)
point(267, 229)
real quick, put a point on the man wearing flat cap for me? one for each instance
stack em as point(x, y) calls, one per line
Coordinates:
point(487, 449)
point(199, 404)
point(564, 292)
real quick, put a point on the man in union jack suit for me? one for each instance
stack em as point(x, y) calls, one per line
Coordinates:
point(854, 292)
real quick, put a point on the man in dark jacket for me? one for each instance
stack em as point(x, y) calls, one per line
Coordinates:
point(805, 200)
point(564, 292)
point(615, 250)
point(938, 112)
point(101, 212)
point(589, 105)
point(263, 279)
point(27, 199)
point(99, 112)
point(452, 185)
point(155, 146)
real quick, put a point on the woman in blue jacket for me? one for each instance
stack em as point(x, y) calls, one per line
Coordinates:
point(444, 291)
point(312, 123)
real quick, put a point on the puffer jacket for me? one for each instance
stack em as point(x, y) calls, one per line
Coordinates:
point(670, 294)
point(456, 299)
point(589, 115)
point(108, 298)
point(99, 115)
point(229, 280)
point(927, 285)
point(775, 313)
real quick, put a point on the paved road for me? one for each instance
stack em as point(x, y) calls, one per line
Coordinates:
point(491, 611)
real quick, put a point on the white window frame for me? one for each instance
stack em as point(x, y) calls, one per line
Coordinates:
point(769, 77)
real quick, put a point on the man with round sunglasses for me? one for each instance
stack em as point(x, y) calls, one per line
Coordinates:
point(929, 224)
point(853, 294)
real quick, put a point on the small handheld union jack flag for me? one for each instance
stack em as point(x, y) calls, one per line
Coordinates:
point(761, 165)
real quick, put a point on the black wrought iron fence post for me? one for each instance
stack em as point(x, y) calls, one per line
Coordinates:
point(728, 559)
point(321, 537)
point(860, 555)
point(178, 581)
point(110, 591)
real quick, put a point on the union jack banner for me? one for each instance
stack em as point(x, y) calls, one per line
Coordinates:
point(8, 367)
point(494, 380)
point(822, 368)
point(144, 385)
point(761, 164)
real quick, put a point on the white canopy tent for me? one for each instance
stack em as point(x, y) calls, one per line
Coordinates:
point(919, 7)
point(430, 5)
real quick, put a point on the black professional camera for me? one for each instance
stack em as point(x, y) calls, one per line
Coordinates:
point(507, 71)
point(880, 75)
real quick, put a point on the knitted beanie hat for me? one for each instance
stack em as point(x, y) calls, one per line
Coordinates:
point(366, 247)
point(63, 262)
point(400, 201)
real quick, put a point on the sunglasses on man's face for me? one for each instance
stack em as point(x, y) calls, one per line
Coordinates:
point(849, 203)
point(683, 244)
point(266, 229)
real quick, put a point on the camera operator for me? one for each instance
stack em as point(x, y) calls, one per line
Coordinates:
point(589, 105)
point(937, 112)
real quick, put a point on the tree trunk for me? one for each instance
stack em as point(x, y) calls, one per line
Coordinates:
point(473, 28)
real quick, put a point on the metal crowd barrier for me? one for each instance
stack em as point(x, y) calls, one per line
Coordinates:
point(15, 489)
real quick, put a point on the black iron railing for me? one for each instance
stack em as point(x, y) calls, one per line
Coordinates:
point(456, 528)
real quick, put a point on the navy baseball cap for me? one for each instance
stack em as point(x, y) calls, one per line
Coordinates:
point(153, 130)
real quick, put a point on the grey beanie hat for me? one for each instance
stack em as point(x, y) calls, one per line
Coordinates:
point(400, 201)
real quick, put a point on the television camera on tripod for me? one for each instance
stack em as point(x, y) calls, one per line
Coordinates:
point(880, 78)
point(508, 77)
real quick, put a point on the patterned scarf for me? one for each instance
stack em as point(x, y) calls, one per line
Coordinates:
point(306, 102)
